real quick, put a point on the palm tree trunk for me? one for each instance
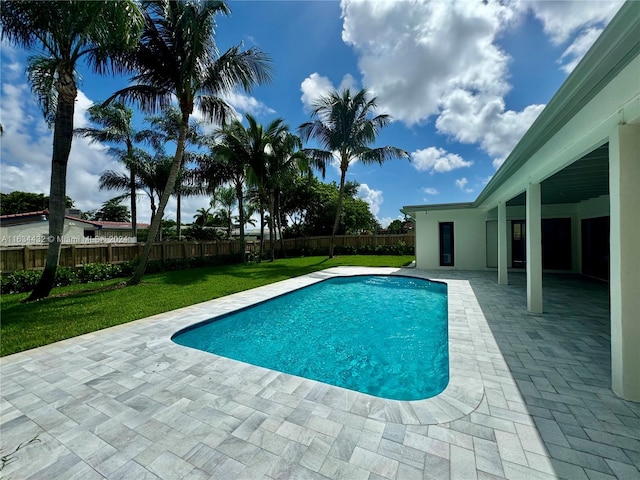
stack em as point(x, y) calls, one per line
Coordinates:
point(153, 208)
point(283, 252)
point(271, 228)
point(336, 223)
point(62, 137)
point(179, 215)
point(241, 215)
point(132, 177)
point(164, 199)
point(261, 230)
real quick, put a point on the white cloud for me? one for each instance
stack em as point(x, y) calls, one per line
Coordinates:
point(430, 191)
point(384, 222)
point(316, 86)
point(561, 20)
point(442, 59)
point(578, 23)
point(574, 53)
point(481, 119)
point(26, 149)
point(247, 104)
point(372, 197)
point(461, 183)
point(434, 159)
point(411, 57)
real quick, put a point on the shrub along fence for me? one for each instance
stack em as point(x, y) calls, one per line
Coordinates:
point(33, 257)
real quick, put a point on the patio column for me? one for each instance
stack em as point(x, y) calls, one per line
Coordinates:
point(534, 249)
point(624, 198)
point(503, 242)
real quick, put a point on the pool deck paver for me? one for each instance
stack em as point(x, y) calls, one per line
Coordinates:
point(529, 398)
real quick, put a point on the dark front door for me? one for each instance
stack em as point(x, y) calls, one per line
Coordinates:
point(556, 243)
point(518, 244)
point(595, 247)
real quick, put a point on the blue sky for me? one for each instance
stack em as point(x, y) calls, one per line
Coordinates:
point(463, 80)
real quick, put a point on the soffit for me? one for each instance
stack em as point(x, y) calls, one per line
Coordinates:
point(584, 179)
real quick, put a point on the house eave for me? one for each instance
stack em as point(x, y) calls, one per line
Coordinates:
point(411, 210)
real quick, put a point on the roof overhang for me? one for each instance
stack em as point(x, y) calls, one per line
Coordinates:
point(411, 210)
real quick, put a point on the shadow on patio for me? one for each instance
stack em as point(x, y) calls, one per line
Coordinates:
point(548, 390)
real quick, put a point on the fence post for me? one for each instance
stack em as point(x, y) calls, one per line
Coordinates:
point(74, 257)
point(25, 257)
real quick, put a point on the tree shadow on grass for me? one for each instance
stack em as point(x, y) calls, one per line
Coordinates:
point(274, 271)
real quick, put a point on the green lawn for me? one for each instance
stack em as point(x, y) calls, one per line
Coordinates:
point(80, 309)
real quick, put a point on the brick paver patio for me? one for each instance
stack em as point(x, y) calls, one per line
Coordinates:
point(529, 398)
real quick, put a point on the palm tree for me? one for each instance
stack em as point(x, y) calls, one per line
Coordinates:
point(234, 150)
point(219, 168)
point(165, 128)
point(203, 216)
point(343, 126)
point(260, 142)
point(177, 57)
point(115, 120)
point(112, 211)
point(152, 173)
point(286, 162)
point(226, 196)
point(64, 33)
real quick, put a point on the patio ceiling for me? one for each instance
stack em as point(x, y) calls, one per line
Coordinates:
point(584, 179)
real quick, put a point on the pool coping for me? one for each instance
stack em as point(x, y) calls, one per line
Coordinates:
point(462, 395)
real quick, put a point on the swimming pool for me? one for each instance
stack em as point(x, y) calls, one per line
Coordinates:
point(383, 335)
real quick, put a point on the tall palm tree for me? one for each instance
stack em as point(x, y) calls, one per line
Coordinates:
point(177, 57)
point(219, 168)
point(226, 196)
point(343, 125)
point(286, 162)
point(203, 216)
point(115, 120)
point(262, 142)
point(234, 151)
point(64, 33)
point(258, 202)
point(165, 128)
point(152, 173)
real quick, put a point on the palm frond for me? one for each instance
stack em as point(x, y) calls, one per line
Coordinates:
point(43, 74)
point(150, 98)
point(215, 109)
point(382, 154)
point(236, 68)
point(112, 180)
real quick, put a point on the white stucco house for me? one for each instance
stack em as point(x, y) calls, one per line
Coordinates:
point(567, 198)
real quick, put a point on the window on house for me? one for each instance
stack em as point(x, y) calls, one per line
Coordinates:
point(446, 244)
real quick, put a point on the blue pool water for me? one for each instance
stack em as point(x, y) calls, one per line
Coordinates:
point(381, 335)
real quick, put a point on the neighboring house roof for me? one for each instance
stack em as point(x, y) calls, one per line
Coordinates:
point(27, 217)
point(117, 225)
point(27, 214)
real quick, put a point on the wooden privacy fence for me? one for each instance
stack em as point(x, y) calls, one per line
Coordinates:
point(33, 257)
